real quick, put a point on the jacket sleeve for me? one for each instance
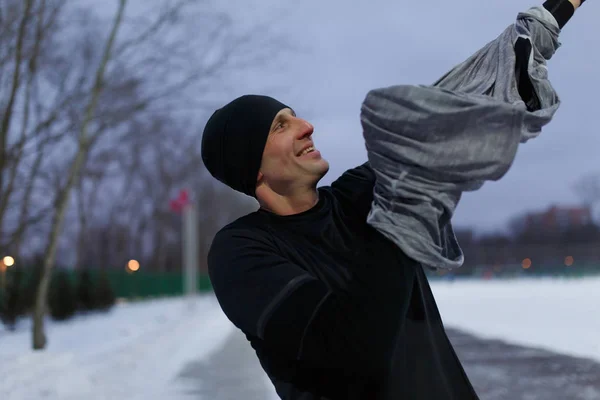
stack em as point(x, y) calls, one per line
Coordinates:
point(354, 190)
point(299, 317)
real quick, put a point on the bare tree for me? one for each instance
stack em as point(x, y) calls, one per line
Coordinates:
point(7, 112)
point(106, 119)
point(39, 337)
point(25, 64)
point(23, 50)
point(184, 68)
point(587, 188)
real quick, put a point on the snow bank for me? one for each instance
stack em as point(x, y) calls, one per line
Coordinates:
point(562, 315)
point(133, 352)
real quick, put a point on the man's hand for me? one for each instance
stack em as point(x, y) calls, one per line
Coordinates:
point(576, 3)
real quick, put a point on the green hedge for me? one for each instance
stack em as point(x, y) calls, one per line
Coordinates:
point(152, 284)
point(141, 283)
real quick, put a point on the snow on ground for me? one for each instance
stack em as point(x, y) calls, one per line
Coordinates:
point(132, 352)
point(561, 315)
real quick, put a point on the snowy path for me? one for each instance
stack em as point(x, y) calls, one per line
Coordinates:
point(551, 314)
point(231, 373)
point(500, 371)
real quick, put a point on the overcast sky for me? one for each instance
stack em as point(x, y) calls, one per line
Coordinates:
point(348, 48)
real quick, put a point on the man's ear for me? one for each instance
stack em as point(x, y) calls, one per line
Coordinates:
point(259, 177)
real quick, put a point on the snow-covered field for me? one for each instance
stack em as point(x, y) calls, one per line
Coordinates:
point(561, 315)
point(135, 351)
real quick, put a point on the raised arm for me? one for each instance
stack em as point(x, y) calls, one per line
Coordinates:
point(297, 316)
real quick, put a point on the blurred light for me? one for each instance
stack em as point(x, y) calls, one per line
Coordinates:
point(8, 261)
point(526, 263)
point(569, 261)
point(133, 265)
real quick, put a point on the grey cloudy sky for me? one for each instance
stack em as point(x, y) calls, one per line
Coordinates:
point(348, 48)
point(357, 46)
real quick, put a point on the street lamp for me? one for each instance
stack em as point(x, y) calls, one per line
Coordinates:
point(133, 265)
point(5, 262)
point(569, 260)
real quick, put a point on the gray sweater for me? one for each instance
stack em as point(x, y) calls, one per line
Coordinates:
point(429, 144)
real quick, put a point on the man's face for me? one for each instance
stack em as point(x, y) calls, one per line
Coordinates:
point(290, 158)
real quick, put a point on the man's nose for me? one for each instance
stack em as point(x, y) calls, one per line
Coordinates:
point(306, 129)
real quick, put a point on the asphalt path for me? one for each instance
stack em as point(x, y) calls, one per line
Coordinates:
point(498, 371)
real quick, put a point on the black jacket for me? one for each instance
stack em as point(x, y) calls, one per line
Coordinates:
point(333, 309)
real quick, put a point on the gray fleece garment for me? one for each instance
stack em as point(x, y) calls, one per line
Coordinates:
point(429, 144)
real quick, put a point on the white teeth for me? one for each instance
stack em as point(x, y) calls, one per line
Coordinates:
point(308, 150)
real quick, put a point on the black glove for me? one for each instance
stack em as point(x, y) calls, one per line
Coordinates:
point(562, 10)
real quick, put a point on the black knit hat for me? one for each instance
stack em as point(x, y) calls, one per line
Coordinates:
point(234, 139)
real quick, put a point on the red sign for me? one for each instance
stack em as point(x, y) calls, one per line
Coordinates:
point(178, 204)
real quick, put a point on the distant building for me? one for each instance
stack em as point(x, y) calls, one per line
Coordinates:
point(558, 218)
point(464, 236)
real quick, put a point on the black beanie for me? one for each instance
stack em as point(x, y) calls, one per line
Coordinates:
point(234, 140)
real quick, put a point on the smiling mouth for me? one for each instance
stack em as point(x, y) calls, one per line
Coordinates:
point(306, 151)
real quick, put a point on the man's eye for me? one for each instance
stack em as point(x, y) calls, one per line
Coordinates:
point(279, 126)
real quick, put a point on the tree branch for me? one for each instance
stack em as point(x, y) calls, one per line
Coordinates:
point(16, 82)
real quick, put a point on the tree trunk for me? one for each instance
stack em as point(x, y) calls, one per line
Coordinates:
point(25, 202)
point(81, 235)
point(39, 337)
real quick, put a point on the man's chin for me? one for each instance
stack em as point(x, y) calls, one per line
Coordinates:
point(320, 163)
point(317, 168)
point(324, 168)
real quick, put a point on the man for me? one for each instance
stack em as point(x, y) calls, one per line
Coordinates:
point(332, 307)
